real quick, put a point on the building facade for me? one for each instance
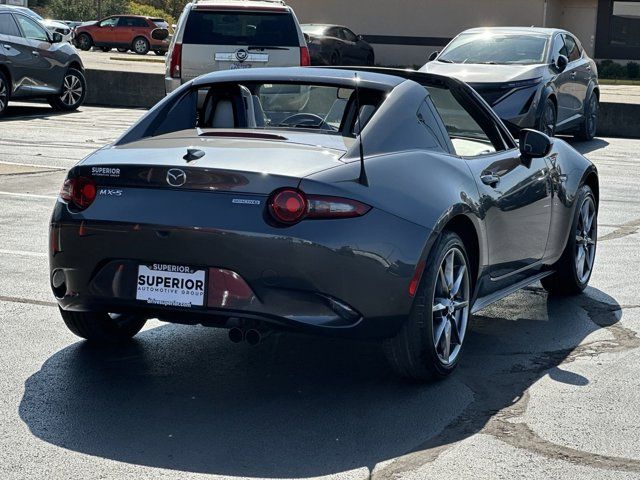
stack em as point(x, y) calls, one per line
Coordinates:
point(405, 32)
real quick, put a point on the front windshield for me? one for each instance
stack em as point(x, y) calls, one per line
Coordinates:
point(253, 105)
point(495, 48)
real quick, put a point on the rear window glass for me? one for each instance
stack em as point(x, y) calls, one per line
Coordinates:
point(8, 25)
point(241, 28)
point(160, 23)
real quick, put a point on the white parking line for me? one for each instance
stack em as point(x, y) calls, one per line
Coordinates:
point(35, 165)
point(28, 195)
point(22, 253)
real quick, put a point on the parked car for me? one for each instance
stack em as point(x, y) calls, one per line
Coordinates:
point(124, 32)
point(390, 206)
point(336, 45)
point(51, 25)
point(532, 77)
point(216, 35)
point(36, 63)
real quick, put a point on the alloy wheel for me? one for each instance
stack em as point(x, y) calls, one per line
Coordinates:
point(592, 116)
point(549, 120)
point(586, 234)
point(451, 306)
point(4, 94)
point(71, 90)
point(140, 46)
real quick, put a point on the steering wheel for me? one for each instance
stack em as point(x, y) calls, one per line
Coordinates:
point(304, 120)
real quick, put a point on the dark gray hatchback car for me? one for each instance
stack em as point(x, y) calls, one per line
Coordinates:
point(35, 63)
point(532, 77)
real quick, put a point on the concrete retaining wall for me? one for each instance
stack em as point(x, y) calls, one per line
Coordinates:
point(143, 90)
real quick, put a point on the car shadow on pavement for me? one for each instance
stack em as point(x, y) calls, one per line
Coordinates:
point(587, 147)
point(185, 398)
point(27, 111)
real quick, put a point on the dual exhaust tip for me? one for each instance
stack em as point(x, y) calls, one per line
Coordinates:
point(252, 336)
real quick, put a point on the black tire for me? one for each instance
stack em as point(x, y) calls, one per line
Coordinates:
point(371, 60)
point(123, 50)
point(140, 45)
point(566, 280)
point(589, 126)
point(5, 93)
point(102, 327)
point(105, 49)
point(84, 42)
point(160, 53)
point(69, 101)
point(548, 118)
point(413, 352)
point(335, 59)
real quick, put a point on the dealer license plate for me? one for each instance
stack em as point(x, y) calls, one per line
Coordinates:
point(171, 285)
point(239, 66)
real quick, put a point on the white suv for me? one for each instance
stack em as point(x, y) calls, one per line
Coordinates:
point(216, 35)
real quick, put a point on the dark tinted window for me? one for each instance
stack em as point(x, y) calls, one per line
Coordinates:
point(334, 32)
point(349, 35)
point(428, 120)
point(132, 22)
point(241, 28)
point(8, 25)
point(109, 22)
point(572, 48)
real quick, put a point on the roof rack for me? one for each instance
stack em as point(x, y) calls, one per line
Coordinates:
point(277, 2)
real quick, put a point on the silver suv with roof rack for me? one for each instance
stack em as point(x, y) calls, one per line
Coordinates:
point(214, 35)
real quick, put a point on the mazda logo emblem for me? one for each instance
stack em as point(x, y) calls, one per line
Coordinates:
point(242, 55)
point(176, 177)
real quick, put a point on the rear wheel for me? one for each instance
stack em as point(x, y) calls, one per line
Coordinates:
point(4, 93)
point(589, 126)
point(429, 345)
point(573, 270)
point(105, 49)
point(160, 53)
point(84, 42)
point(140, 46)
point(73, 92)
point(103, 327)
point(548, 119)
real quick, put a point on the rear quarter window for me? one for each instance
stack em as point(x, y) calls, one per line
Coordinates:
point(276, 29)
point(8, 25)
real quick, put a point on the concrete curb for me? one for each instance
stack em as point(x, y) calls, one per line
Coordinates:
point(115, 88)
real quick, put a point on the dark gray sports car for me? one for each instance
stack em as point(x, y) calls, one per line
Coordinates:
point(337, 45)
point(532, 77)
point(371, 204)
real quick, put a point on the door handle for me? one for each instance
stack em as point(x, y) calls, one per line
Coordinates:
point(8, 47)
point(573, 74)
point(35, 54)
point(490, 179)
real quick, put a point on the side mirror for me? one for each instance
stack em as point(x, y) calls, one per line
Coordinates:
point(56, 37)
point(360, 37)
point(160, 34)
point(561, 63)
point(534, 144)
point(433, 56)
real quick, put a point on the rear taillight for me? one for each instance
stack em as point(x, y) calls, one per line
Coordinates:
point(80, 192)
point(305, 57)
point(175, 61)
point(290, 206)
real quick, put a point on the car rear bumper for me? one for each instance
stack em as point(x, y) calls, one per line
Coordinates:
point(348, 284)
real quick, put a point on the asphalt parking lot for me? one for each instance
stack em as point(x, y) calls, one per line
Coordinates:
point(548, 388)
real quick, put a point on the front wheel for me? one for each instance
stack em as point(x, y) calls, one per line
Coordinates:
point(103, 327)
point(73, 92)
point(105, 49)
point(4, 93)
point(429, 345)
point(589, 125)
point(141, 46)
point(84, 42)
point(573, 270)
point(548, 119)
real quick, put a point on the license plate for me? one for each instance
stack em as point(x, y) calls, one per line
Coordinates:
point(171, 285)
point(240, 66)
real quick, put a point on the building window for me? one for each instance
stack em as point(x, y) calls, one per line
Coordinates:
point(618, 32)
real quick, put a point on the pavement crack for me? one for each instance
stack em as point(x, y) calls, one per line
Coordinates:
point(622, 231)
point(27, 301)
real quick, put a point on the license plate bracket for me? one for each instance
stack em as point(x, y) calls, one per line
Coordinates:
point(171, 285)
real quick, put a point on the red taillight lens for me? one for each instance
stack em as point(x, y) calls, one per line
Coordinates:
point(81, 192)
point(175, 61)
point(305, 57)
point(290, 206)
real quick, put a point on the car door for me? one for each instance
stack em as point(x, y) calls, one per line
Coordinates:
point(358, 51)
point(578, 77)
point(105, 32)
point(15, 53)
point(562, 81)
point(45, 71)
point(515, 192)
point(125, 31)
point(335, 37)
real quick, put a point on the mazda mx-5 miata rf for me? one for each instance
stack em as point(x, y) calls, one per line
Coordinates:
point(373, 204)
